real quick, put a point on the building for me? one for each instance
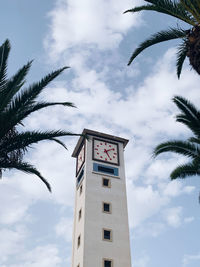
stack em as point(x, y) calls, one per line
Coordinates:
point(101, 232)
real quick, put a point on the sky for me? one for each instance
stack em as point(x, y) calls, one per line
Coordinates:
point(96, 40)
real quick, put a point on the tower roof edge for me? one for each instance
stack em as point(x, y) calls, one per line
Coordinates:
point(97, 134)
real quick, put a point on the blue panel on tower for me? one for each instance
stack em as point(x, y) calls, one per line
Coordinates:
point(105, 169)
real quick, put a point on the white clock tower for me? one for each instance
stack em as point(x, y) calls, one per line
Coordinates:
point(101, 232)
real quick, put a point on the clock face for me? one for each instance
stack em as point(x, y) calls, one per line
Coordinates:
point(80, 158)
point(105, 151)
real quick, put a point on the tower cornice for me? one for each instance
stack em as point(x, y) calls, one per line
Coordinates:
point(97, 134)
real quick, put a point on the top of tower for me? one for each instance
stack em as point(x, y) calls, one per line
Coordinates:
point(97, 134)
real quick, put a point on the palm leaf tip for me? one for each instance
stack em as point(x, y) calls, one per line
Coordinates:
point(69, 104)
point(185, 170)
point(24, 167)
point(4, 53)
point(181, 55)
point(127, 11)
point(33, 170)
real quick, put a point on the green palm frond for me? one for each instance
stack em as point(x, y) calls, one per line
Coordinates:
point(190, 116)
point(187, 11)
point(147, 8)
point(190, 148)
point(4, 52)
point(25, 167)
point(185, 170)
point(166, 7)
point(12, 86)
point(59, 142)
point(29, 95)
point(162, 36)
point(16, 113)
point(23, 140)
point(16, 104)
point(142, 8)
point(192, 125)
point(196, 3)
point(194, 140)
point(180, 147)
point(192, 7)
point(181, 55)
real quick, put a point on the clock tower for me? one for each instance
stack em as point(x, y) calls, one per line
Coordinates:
point(101, 232)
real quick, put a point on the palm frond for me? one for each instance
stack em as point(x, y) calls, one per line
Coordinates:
point(12, 86)
point(23, 140)
point(16, 103)
point(59, 142)
point(185, 170)
point(176, 9)
point(180, 147)
point(192, 7)
point(25, 167)
point(191, 124)
point(190, 116)
point(30, 94)
point(24, 111)
point(194, 140)
point(4, 52)
point(166, 7)
point(147, 8)
point(162, 36)
point(196, 3)
point(181, 55)
point(17, 112)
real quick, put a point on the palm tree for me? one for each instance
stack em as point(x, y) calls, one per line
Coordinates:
point(187, 11)
point(190, 148)
point(16, 104)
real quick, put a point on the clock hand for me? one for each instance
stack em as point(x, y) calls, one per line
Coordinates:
point(106, 151)
point(110, 149)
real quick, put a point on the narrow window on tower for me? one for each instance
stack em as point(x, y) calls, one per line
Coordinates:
point(106, 182)
point(79, 241)
point(107, 234)
point(107, 263)
point(79, 214)
point(106, 207)
point(81, 190)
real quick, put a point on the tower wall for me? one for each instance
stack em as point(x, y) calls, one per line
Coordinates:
point(93, 248)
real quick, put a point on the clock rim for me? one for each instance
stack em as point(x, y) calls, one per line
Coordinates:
point(101, 160)
point(78, 170)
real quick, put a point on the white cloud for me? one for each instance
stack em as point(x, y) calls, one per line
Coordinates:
point(43, 256)
point(100, 23)
point(64, 228)
point(15, 202)
point(173, 216)
point(175, 188)
point(11, 242)
point(191, 259)
point(149, 229)
point(189, 219)
point(142, 261)
point(159, 170)
point(144, 202)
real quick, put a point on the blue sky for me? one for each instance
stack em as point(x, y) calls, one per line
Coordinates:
point(95, 39)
